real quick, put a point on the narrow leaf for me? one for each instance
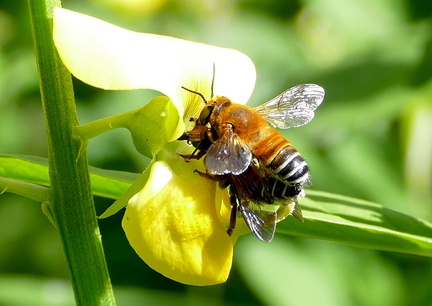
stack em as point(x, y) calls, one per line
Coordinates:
point(105, 183)
point(327, 216)
point(360, 223)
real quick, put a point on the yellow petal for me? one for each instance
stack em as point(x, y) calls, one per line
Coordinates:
point(173, 225)
point(110, 57)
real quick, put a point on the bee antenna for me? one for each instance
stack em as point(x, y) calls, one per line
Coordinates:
point(213, 78)
point(211, 88)
point(195, 92)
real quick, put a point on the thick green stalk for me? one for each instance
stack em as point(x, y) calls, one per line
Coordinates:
point(70, 198)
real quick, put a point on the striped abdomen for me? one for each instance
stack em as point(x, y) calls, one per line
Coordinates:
point(279, 156)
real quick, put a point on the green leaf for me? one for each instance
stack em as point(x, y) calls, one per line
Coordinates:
point(25, 168)
point(105, 183)
point(28, 190)
point(327, 216)
point(123, 199)
point(359, 223)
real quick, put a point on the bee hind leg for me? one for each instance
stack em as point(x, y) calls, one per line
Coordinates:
point(233, 216)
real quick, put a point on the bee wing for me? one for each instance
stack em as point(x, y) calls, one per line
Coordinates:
point(261, 223)
point(294, 107)
point(228, 154)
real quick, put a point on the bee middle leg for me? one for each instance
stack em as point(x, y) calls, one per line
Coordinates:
point(224, 183)
point(207, 176)
point(196, 154)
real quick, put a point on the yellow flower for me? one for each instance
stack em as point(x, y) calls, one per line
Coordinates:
point(175, 219)
point(174, 224)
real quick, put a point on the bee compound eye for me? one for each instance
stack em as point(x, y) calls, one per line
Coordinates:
point(205, 115)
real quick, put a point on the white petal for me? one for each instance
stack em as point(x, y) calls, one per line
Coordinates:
point(110, 57)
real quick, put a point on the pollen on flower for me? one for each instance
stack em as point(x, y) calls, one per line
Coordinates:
point(187, 224)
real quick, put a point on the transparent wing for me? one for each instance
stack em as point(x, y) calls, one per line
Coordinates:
point(228, 155)
point(261, 223)
point(294, 107)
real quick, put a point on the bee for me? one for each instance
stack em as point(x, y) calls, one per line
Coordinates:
point(244, 152)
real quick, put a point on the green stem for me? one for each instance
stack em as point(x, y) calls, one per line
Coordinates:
point(100, 126)
point(70, 198)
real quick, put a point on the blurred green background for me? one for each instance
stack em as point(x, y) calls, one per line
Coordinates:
point(370, 139)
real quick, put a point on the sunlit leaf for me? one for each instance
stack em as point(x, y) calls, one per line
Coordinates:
point(360, 223)
point(327, 216)
point(105, 183)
